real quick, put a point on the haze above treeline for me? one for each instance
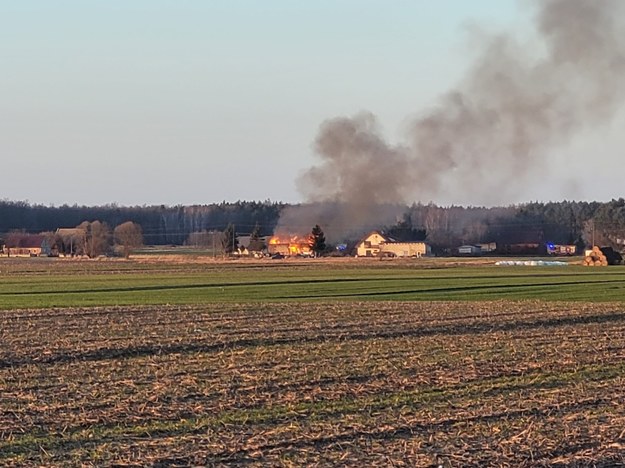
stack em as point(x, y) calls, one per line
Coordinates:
point(564, 222)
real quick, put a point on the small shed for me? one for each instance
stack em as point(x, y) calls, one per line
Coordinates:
point(472, 250)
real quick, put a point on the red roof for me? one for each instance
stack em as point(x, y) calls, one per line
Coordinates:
point(24, 241)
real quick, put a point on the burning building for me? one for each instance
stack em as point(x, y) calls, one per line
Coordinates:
point(290, 246)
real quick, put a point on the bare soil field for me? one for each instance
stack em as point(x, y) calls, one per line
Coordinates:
point(298, 384)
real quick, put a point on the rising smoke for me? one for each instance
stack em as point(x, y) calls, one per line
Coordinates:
point(486, 136)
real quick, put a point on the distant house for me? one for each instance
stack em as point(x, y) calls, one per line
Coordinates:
point(488, 247)
point(371, 245)
point(27, 245)
point(376, 244)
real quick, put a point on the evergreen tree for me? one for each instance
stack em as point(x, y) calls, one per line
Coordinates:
point(317, 240)
point(256, 244)
point(229, 240)
point(404, 231)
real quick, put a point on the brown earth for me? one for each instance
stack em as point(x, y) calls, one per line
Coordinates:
point(358, 384)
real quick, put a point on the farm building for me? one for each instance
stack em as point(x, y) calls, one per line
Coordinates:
point(376, 244)
point(290, 246)
point(27, 245)
point(487, 247)
point(471, 250)
point(77, 233)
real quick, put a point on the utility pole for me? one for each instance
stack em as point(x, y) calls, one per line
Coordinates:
point(593, 232)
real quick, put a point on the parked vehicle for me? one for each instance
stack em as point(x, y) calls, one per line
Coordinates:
point(561, 250)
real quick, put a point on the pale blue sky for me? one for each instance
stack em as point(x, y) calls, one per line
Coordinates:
point(198, 101)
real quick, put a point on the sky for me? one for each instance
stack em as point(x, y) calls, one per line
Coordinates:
point(173, 102)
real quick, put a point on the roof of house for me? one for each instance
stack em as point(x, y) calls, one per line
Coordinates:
point(387, 239)
point(384, 237)
point(70, 231)
point(406, 242)
point(25, 241)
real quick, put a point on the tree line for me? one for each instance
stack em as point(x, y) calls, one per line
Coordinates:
point(161, 224)
point(565, 222)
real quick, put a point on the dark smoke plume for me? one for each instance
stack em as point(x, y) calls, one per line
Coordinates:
point(484, 138)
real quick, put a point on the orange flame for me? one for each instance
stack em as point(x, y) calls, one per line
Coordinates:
point(293, 245)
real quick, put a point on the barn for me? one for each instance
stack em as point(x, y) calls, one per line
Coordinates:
point(27, 245)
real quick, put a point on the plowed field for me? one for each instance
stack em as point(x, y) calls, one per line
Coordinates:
point(291, 384)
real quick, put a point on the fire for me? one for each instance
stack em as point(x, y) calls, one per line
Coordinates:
point(290, 245)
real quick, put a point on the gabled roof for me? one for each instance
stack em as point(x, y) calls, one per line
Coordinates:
point(387, 239)
point(379, 233)
point(66, 232)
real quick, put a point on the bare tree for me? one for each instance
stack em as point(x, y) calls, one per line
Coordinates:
point(256, 244)
point(128, 236)
point(97, 238)
point(70, 241)
point(229, 240)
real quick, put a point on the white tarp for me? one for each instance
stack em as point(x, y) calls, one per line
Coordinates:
point(530, 263)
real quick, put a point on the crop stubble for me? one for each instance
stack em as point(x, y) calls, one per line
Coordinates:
point(506, 383)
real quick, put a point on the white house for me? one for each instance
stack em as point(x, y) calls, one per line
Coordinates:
point(376, 244)
point(370, 245)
